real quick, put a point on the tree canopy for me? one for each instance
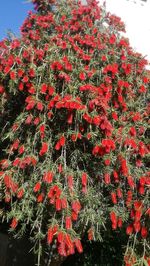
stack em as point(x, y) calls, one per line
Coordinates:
point(74, 131)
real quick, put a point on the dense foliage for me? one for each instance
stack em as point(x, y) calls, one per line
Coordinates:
point(74, 138)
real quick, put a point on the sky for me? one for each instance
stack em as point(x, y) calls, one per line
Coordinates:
point(135, 16)
point(12, 15)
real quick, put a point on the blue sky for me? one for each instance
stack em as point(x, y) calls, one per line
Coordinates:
point(12, 15)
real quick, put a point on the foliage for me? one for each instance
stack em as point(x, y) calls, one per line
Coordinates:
point(74, 113)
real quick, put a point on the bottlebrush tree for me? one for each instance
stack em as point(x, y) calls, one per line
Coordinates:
point(74, 138)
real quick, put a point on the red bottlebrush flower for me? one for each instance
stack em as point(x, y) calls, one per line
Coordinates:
point(107, 178)
point(60, 168)
point(44, 149)
point(90, 234)
point(109, 145)
point(89, 136)
point(36, 121)
point(68, 222)
point(137, 226)
point(120, 222)
point(48, 177)
point(6, 69)
point(62, 141)
point(144, 232)
point(114, 197)
point(96, 150)
point(64, 203)
point(116, 176)
point(62, 249)
point(82, 76)
point(1, 90)
point(28, 120)
point(60, 237)
point(68, 241)
point(12, 75)
point(132, 131)
point(58, 204)
point(21, 149)
point(74, 137)
point(42, 128)
point(78, 245)
point(129, 229)
point(96, 120)
point(39, 106)
point(138, 215)
point(119, 193)
point(70, 118)
point(142, 180)
point(130, 182)
point(57, 146)
point(76, 206)
point(138, 205)
point(31, 73)
point(107, 162)
point(15, 144)
point(14, 223)
point(142, 89)
point(74, 216)
point(115, 116)
point(70, 181)
point(141, 190)
point(20, 193)
point(44, 88)
point(37, 187)
point(16, 162)
point(112, 39)
point(114, 226)
point(50, 235)
point(113, 217)
point(84, 179)
point(40, 198)
point(51, 90)
point(25, 79)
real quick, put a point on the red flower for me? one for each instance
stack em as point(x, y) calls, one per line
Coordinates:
point(114, 197)
point(62, 141)
point(20, 193)
point(37, 187)
point(119, 193)
point(113, 217)
point(84, 179)
point(44, 88)
point(90, 234)
point(68, 222)
point(137, 226)
point(40, 197)
point(44, 149)
point(14, 223)
point(50, 235)
point(48, 177)
point(129, 229)
point(107, 178)
point(82, 76)
point(76, 206)
point(70, 181)
point(144, 232)
point(21, 149)
point(58, 204)
point(78, 245)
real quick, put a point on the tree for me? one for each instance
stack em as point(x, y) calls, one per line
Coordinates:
point(74, 113)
